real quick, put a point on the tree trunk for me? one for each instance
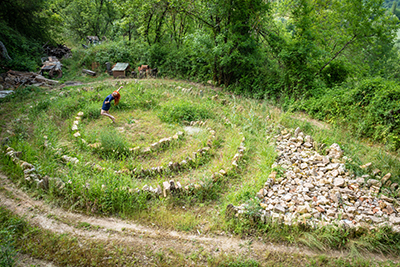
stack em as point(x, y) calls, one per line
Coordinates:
point(3, 51)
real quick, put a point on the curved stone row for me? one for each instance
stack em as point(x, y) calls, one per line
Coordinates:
point(318, 190)
point(169, 187)
point(178, 166)
point(161, 144)
point(31, 175)
point(174, 187)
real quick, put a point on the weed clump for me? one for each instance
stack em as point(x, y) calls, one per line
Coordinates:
point(184, 111)
point(113, 144)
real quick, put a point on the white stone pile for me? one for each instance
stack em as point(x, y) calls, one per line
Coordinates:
point(75, 125)
point(307, 187)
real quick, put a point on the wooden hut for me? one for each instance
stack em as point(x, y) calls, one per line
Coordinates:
point(120, 70)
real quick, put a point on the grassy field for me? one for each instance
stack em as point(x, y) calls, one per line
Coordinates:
point(38, 122)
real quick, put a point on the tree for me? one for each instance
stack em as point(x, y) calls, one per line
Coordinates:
point(86, 17)
point(317, 33)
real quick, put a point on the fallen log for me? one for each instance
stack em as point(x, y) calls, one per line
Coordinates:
point(40, 78)
point(89, 72)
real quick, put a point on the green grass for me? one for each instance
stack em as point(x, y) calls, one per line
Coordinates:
point(66, 250)
point(154, 109)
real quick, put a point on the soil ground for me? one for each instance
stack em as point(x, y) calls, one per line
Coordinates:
point(42, 215)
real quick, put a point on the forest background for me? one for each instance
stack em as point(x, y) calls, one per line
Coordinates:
point(337, 60)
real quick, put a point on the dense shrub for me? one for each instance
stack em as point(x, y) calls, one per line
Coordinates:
point(183, 111)
point(370, 108)
point(335, 73)
point(113, 144)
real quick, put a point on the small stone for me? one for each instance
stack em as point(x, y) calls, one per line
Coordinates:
point(386, 178)
point(308, 139)
point(167, 188)
point(303, 166)
point(367, 165)
point(387, 199)
point(308, 185)
point(335, 151)
point(376, 172)
point(351, 210)
point(77, 134)
point(330, 213)
point(390, 209)
point(26, 165)
point(269, 182)
point(320, 209)
point(360, 180)
point(326, 160)
point(287, 197)
point(273, 175)
point(335, 173)
point(382, 204)
point(372, 182)
point(339, 182)
point(280, 209)
point(303, 209)
point(375, 219)
point(261, 193)
point(322, 200)
point(394, 220)
point(222, 172)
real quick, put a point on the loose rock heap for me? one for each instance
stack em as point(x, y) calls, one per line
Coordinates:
point(318, 190)
point(13, 79)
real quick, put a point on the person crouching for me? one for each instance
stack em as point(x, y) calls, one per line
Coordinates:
point(107, 103)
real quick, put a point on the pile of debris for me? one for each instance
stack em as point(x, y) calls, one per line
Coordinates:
point(318, 190)
point(53, 66)
point(13, 79)
point(58, 51)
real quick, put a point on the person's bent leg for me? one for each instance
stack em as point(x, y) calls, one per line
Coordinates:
point(106, 113)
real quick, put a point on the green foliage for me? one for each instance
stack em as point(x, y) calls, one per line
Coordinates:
point(92, 111)
point(11, 228)
point(87, 18)
point(25, 17)
point(113, 144)
point(25, 52)
point(177, 112)
point(335, 73)
point(370, 108)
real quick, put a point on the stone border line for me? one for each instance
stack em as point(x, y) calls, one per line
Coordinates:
point(169, 187)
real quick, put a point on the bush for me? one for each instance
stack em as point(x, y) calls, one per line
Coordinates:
point(92, 111)
point(113, 144)
point(335, 73)
point(183, 111)
point(370, 108)
point(25, 52)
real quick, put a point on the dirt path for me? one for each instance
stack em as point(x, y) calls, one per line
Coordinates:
point(128, 233)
